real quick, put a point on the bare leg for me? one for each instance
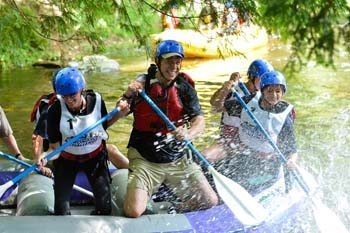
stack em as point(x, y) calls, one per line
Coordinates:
point(195, 192)
point(201, 196)
point(116, 157)
point(135, 202)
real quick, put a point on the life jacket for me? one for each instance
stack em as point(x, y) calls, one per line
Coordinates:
point(70, 126)
point(250, 134)
point(167, 99)
point(41, 105)
point(258, 167)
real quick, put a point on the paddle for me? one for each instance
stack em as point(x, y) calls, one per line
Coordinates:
point(243, 88)
point(12, 158)
point(266, 134)
point(10, 183)
point(241, 203)
point(323, 215)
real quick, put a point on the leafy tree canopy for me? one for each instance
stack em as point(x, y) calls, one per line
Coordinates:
point(30, 29)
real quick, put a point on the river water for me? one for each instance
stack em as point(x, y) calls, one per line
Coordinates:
point(320, 96)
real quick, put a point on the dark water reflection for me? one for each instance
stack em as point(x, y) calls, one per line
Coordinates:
point(321, 97)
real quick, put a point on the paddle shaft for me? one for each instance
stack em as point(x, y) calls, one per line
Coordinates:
point(243, 88)
point(59, 149)
point(294, 171)
point(240, 202)
point(173, 127)
point(12, 158)
point(322, 214)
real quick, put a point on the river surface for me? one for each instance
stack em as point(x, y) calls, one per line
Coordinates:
point(320, 96)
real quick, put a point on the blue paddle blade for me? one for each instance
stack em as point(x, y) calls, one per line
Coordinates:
point(8, 192)
point(4, 178)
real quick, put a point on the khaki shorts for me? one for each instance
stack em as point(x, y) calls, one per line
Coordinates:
point(181, 175)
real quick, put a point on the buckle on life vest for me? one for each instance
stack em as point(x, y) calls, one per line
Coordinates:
point(82, 158)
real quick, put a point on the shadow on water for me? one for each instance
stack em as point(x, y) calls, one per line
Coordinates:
point(320, 96)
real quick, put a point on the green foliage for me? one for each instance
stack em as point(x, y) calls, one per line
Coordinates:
point(312, 27)
point(317, 30)
point(136, 18)
point(53, 29)
point(17, 40)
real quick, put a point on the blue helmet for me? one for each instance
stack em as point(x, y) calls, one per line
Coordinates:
point(169, 48)
point(273, 78)
point(69, 81)
point(258, 67)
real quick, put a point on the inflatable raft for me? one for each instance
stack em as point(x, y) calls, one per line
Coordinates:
point(34, 206)
point(205, 45)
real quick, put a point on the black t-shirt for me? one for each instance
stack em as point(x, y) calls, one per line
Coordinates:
point(158, 148)
point(41, 124)
point(54, 115)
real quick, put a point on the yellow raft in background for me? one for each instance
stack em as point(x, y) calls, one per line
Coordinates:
point(211, 45)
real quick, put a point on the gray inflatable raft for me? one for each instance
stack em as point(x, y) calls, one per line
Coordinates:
point(35, 197)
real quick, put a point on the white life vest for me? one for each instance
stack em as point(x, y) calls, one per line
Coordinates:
point(232, 120)
point(251, 135)
point(70, 126)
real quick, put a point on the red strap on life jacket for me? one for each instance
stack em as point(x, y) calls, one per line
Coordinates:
point(35, 109)
point(37, 105)
point(52, 99)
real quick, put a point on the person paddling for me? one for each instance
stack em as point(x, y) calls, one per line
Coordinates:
point(158, 155)
point(253, 162)
point(229, 124)
point(40, 142)
point(75, 110)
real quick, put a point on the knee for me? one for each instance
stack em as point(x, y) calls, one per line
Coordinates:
point(132, 211)
point(209, 200)
point(213, 200)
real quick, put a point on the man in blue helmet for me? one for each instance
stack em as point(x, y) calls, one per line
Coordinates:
point(156, 154)
point(253, 162)
point(75, 110)
point(229, 124)
point(40, 141)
